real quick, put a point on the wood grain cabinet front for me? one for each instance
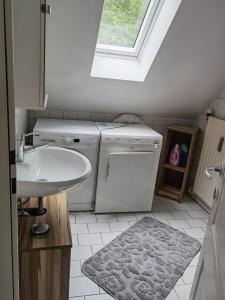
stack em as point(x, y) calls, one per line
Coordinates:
point(45, 263)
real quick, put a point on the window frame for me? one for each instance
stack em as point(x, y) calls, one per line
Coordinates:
point(135, 68)
point(144, 32)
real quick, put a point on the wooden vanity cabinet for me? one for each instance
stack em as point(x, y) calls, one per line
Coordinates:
point(45, 263)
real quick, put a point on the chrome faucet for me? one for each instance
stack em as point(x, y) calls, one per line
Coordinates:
point(22, 146)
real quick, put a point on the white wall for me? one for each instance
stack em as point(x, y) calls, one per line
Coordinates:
point(21, 120)
point(187, 72)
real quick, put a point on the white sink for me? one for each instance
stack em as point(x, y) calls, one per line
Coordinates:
point(51, 170)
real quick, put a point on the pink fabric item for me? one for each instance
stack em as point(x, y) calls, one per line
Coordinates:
point(175, 156)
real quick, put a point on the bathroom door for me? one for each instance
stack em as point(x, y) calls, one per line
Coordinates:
point(210, 274)
point(8, 205)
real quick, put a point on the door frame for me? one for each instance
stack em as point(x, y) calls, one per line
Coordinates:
point(8, 213)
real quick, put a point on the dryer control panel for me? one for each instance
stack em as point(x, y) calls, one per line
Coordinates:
point(67, 141)
point(133, 144)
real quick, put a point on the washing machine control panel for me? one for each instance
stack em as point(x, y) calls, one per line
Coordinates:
point(79, 140)
point(68, 140)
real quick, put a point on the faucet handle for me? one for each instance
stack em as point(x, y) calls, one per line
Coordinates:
point(22, 136)
point(30, 133)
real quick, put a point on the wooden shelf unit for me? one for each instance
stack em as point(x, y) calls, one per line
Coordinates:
point(44, 264)
point(178, 169)
point(173, 180)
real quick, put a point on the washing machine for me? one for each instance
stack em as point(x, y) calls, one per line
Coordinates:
point(128, 164)
point(82, 136)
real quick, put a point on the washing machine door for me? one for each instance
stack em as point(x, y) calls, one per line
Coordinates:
point(126, 181)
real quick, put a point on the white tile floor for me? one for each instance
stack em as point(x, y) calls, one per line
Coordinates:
point(91, 232)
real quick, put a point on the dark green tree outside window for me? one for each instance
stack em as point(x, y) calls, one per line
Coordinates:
point(121, 22)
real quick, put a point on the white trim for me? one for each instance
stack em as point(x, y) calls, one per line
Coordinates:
point(6, 259)
point(9, 278)
point(148, 22)
point(127, 67)
point(149, 28)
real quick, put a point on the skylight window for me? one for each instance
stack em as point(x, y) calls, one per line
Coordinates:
point(124, 25)
point(121, 22)
point(130, 35)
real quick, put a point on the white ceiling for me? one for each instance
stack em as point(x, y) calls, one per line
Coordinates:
point(188, 71)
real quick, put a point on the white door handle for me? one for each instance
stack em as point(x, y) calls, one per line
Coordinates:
point(107, 170)
point(214, 169)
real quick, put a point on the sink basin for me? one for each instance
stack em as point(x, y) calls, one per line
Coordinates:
point(50, 171)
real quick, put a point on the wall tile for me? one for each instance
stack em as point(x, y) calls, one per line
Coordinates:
point(69, 115)
point(97, 117)
point(56, 114)
point(157, 123)
point(159, 128)
point(42, 114)
point(148, 120)
point(184, 122)
point(110, 117)
point(161, 122)
point(83, 116)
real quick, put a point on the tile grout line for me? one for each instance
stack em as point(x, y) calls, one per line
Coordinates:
point(101, 236)
point(176, 294)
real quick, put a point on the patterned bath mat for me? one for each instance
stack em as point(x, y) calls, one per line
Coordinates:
point(142, 263)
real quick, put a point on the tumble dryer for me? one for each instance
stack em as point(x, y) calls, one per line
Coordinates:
point(128, 164)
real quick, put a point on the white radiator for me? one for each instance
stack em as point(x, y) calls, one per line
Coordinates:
point(213, 154)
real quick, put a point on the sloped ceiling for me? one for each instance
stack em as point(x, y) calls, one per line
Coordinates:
point(187, 72)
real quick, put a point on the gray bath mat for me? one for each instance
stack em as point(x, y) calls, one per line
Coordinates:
point(142, 263)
